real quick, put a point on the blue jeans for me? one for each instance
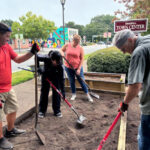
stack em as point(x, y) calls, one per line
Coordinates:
point(144, 133)
point(71, 77)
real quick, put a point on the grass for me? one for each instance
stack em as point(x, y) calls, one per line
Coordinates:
point(86, 56)
point(21, 76)
point(105, 50)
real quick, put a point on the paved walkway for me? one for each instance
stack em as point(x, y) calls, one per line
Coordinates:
point(26, 96)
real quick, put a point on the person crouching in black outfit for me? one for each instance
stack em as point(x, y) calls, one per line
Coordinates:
point(54, 71)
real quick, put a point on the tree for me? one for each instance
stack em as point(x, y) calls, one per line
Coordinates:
point(99, 25)
point(70, 24)
point(33, 27)
point(135, 9)
point(76, 26)
point(36, 27)
point(9, 22)
point(16, 28)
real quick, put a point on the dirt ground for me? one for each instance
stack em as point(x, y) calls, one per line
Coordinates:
point(65, 134)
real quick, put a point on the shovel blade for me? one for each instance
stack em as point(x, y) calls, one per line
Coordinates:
point(81, 119)
point(40, 137)
point(95, 95)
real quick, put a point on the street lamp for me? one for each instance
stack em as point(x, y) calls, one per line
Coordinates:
point(63, 3)
point(19, 39)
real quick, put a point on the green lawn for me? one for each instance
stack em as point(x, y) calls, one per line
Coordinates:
point(21, 76)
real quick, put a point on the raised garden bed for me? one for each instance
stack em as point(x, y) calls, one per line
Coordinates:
point(104, 82)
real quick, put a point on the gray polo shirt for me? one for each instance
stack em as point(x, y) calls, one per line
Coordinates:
point(139, 71)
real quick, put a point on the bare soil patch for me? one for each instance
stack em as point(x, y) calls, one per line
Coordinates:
point(64, 134)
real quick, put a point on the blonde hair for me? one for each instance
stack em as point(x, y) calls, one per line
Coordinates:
point(76, 38)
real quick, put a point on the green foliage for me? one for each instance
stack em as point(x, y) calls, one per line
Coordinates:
point(76, 26)
point(86, 56)
point(135, 9)
point(33, 27)
point(109, 60)
point(98, 26)
point(16, 28)
point(36, 27)
point(21, 76)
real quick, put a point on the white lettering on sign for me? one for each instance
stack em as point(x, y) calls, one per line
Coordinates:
point(132, 27)
point(136, 25)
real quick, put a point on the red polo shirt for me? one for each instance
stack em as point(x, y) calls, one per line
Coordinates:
point(6, 54)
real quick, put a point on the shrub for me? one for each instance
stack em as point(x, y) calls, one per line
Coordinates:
point(110, 60)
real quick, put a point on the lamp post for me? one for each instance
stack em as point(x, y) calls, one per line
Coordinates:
point(19, 39)
point(63, 3)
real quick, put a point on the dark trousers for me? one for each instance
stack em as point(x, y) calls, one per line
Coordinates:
point(44, 96)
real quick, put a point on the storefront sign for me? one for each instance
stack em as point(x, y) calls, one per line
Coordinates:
point(136, 25)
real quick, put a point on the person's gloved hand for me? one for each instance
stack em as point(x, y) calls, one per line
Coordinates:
point(35, 48)
point(123, 107)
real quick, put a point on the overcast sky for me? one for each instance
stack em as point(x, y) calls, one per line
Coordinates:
point(78, 11)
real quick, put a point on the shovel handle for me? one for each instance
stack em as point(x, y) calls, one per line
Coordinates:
point(36, 91)
point(109, 131)
point(71, 106)
point(77, 75)
point(53, 86)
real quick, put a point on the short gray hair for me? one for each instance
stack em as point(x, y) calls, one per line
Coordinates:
point(121, 37)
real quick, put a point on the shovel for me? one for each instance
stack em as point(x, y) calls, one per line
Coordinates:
point(90, 92)
point(109, 131)
point(26, 69)
point(39, 135)
point(81, 118)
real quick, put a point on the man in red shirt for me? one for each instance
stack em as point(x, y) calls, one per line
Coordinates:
point(8, 100)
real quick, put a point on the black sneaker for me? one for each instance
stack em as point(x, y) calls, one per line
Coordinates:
point(5, 144)
point(59, 114)
point(41, 115)
point(13, 132)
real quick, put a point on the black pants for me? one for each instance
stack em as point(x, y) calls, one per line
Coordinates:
point(44, 96)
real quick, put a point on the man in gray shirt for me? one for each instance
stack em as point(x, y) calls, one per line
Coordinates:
point(138, 76)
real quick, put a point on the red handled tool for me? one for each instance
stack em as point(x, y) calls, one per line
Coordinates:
point(109, 131)
point(81, 118)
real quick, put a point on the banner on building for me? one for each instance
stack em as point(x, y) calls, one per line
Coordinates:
point(107, 35)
